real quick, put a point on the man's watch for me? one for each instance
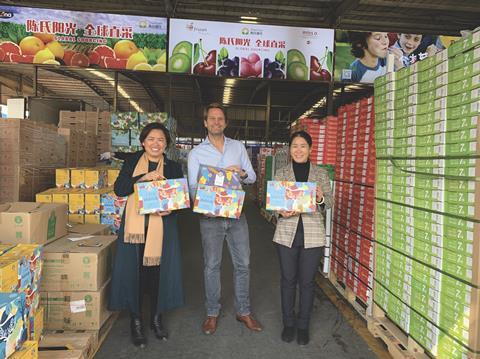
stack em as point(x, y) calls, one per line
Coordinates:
point(244, 176)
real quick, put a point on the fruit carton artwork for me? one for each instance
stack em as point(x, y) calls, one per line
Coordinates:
point(13, 327)
point(291, 196)
point(151, 117)
point(110, 203)
point(124, 121)
point(120, 137)
point(215, 176)
point(159, 196)
point(82, 39)
point(112, 220)
point(218, 201)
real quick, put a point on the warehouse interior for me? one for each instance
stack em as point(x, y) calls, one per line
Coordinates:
point(260, 112)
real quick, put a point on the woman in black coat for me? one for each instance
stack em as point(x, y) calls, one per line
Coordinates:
point(131, 279)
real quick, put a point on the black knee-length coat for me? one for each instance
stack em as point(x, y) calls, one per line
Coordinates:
point(126, 277)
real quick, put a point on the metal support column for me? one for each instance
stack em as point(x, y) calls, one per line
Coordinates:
point(35, 80)
point(330, 99)
point(267, 115)
point(115, 93)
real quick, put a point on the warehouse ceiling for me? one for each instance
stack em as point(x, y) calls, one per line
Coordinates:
point(184, 96)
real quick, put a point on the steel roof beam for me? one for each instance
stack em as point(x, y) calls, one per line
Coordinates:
point(148, 89)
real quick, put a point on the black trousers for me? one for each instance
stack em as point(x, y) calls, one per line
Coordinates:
point(149, 283)
point(298, 266)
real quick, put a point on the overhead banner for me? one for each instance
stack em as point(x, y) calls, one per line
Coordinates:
point(362, 56)
point(73, 38)
point(250, 50)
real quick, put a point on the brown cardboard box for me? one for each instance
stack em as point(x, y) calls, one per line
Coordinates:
point(31, 222)
point(77, 266)
point(76, 310)
point(61, 354)
point(92, 229)
point(83, 341)
point(29, 350)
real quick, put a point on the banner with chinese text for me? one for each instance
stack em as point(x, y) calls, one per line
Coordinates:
point(250, 50)
point(362, 56)
point(73, 38)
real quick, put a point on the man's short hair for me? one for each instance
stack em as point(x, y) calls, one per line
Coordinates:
point(214, 105)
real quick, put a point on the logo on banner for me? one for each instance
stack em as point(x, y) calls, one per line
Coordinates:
point(6, 14)
point(245, 31)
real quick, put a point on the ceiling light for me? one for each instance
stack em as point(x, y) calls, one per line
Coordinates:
point(248, 17)
point(230, 82)
point(248, 22)
point(120, 89)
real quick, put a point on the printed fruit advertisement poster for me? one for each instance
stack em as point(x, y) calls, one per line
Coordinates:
point(82, 39)
point(362, 56)
point(249, 50)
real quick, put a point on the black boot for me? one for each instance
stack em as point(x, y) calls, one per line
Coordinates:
point(288, 334)
point(137, 332)
point(303, 336)
point(157, 327)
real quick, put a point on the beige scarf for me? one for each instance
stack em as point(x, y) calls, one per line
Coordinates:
point(135, 223)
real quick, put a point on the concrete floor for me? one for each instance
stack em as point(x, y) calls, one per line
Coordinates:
point(331, 336)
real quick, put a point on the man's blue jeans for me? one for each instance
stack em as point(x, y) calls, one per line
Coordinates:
point(214, 231)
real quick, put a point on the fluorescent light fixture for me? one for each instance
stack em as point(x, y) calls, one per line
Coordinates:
point(248, 17)
point(121, 90)
point(248, 22)
point(230, 82)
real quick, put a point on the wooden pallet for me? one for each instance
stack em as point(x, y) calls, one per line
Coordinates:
point(364, 309)
point(104, 331)
point(399, 344)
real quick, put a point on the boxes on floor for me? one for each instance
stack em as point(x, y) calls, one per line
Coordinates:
point(31, 222)
point(12, 326)
point(67, 310)
point(36, 324)
point(29, 350)
point(90, 229)
point(67, 342)
point(78, 265)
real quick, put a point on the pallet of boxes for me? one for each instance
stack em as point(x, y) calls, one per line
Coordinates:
point(25, 228)
point(427, 274)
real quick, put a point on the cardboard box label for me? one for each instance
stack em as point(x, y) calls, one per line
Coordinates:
point(220, 177)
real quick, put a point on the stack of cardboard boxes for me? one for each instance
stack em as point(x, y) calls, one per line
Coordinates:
point(324, 138)
point(25, 227)
point(427, 275)
point(30, 152)
point(89, 195)
point(353, 216)
point(86, 126)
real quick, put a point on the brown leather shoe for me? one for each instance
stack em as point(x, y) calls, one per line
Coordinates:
point(209, 326)
point(250, 322)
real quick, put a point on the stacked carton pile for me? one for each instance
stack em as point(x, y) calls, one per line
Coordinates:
point(80, 147)
point(29, 153)
point(126, 128)
point(353, 217)
point(427, 274)
point(89, 195)
point(265, 172)
point(324, 136)
point(91, 124)
point(25, 227)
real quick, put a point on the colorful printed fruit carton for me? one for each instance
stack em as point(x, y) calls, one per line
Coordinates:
point(291, 196)
point(124, 120)
point(112, 175)
point(120, 138)
point(218, 201)
point(135, 137)
point(29, 350)
point(159, 196)
point(111, 203)
point(12, 323)
point(111, 219)
point(219, 177)
point(151, 117)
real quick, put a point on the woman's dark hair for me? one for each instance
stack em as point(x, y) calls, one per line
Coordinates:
point(358, 40)
point(155, 126)
point(303, 135)
point(214, 105)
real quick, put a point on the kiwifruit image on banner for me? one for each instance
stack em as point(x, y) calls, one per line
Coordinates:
point(82, 39)
point(362, 56)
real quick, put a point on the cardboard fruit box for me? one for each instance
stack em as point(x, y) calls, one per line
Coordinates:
point(291, 196)
point(13, 326)
point(218, 201)
point(30, 222)
point(220, 177)
point(159, 196)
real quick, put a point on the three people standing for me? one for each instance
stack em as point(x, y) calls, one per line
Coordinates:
point(148, 251)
